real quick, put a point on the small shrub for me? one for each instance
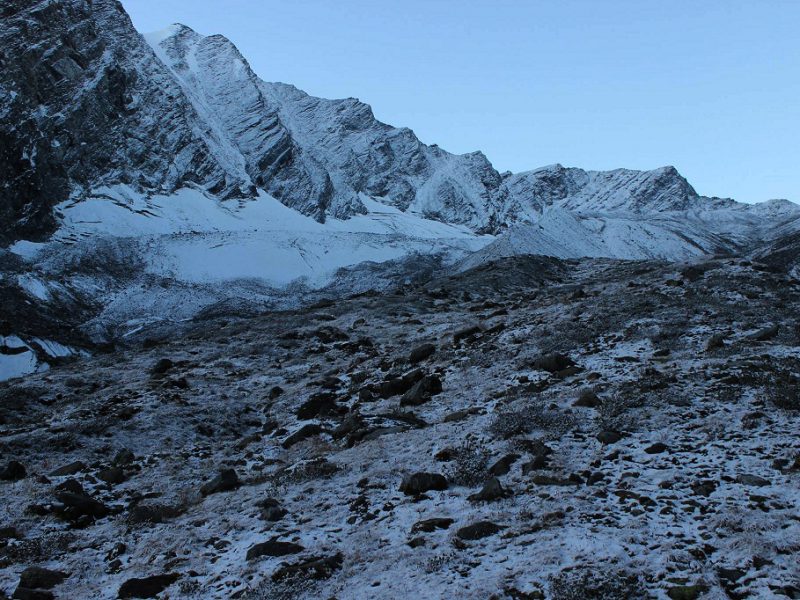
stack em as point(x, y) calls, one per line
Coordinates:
point(601, 583)
point(785, 394)
point(438, 562)
point(470, 465)
point(288, 588)
point(614, 414)
point(509, 424)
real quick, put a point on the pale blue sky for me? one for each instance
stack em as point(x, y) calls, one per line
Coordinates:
point(710, 86)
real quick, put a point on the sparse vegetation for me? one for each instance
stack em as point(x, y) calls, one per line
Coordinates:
point(597, 583)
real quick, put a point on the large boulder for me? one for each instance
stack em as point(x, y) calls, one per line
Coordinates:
point(419, 483)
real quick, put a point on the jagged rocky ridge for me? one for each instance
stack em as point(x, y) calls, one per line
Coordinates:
point(88, 102)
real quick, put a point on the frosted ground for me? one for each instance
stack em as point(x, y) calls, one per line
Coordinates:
point(633, 427)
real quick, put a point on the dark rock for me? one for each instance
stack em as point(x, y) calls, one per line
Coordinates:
point(275, 392)
point(765, 334)
point(350, 427)
point(753, 480)
point(568, 372)
point(553, 363)
point(716, 341)
point(444, 455)
point(399, 385)
point(71, 485)
point(422, 352)
point(226, 481)
point(70, 469)
point(686, 592)
point(588, 399)
point(322, 303)
point(76, 503)
point(538, 462)
point(550, 480)
point(422, 392)
point(430, 525)
point(162, 366)
point(328, 335)
point(704, 488)
point(693, 272)
point(37, 578)
point(13, 471)
point(146, 587)
point(465, 332)
point(656, 448)
point(419, 483)
point(152, 514)
point(608, 437)
point(180, 382)
point(492, 490)
point(535, 447)
point(594, 478)
point(123, 458)
point(503, 466)
point(478, 530)
point(305, 432)
point(271, 510)
point(313, 568)
point(732, 575)
point(112, 475)
point(273, 548)
point(318, 405)
point(330, 383)
point(22, 593)
point(9, 533)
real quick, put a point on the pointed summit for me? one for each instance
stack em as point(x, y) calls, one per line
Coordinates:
point(175, 30)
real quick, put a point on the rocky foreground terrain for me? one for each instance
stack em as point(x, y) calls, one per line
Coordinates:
point(531, 428)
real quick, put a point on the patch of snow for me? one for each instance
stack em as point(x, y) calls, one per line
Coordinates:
point(192, 237)
point(27, 250)
point(54, 349)
point(34, 287)
point(17, 359)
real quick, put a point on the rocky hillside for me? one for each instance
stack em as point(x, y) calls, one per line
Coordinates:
point(535, 428)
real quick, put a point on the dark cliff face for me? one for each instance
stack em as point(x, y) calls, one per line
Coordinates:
point(86, 103)
point(225, 89)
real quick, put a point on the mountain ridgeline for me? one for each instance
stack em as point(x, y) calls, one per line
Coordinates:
point(88, 103)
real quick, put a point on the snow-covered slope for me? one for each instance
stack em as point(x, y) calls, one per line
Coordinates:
point(141, 261)
point(569, 212)
point(661, 189)
point(191, 237)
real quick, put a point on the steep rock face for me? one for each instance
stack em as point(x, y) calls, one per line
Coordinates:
point(365, 156)
point(318, 156)
point(620, 190)
point(86, 103)
point(225, 91)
